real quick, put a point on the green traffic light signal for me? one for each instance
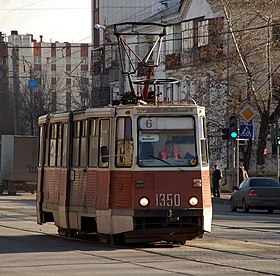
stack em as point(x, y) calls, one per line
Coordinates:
point(233, 135)
point(233, 126)
point(278, 140)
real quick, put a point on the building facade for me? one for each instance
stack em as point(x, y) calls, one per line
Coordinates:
point(219, 63)
point(46, 77)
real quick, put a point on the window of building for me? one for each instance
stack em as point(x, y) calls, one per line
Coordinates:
point(68, 60)
point(209, 32)
point(68, 100)
point(177, 38)
point(84, 61)
point(202, 33)
point(37, 60)
point(187, 35)
point(169, 41)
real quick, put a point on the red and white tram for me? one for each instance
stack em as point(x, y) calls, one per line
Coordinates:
point(100, 172)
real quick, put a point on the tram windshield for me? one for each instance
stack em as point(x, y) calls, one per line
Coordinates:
point(166, 142)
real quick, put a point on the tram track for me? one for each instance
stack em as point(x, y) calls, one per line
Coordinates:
point(161, 252)
point(155, 250)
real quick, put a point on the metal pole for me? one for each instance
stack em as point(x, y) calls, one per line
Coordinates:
point(237, 162)
point(233, 163)
point(15, 90)
point(278, 162)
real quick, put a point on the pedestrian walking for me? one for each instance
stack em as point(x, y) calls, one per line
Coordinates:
point(216, 177)
point(242, 174)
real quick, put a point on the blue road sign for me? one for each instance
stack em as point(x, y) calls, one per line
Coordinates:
point(33, 84)
point(246, 132)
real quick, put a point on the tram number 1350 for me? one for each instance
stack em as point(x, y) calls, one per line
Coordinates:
point(169, 200)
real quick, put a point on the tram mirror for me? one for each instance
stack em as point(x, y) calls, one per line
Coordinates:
point(104, 154)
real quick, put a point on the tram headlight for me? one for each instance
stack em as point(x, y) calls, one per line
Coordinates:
point(144, 201)
point(193, 201)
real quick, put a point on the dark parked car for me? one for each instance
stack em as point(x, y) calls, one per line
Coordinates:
point(256, 193)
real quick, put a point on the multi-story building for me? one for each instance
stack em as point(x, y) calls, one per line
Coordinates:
point(108, 82)
point(222, 66)
point(50, 77)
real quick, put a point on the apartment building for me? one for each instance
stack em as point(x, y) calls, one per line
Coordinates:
point(218, 65)
point(108, 82)
point(45, 77)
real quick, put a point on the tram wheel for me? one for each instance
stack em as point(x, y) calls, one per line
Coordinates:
point(111, 239)
point(69, 233)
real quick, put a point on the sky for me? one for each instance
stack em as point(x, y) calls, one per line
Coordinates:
point(55, 20)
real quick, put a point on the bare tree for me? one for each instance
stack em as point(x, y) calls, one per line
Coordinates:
point(254, 63)
point(44, 98)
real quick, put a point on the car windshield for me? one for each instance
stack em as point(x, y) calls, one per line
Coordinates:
point(166, 142)
point(264, 182)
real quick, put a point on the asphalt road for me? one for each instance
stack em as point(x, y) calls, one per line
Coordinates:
point(239, 244)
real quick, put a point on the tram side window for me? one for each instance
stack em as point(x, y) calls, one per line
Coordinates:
point(203, 142)
point(47, 150)
point(53, 144)
point(104, 143)
point(76, 143)
point(83, 149)
point(41, 145)
point(64, 144)
point(59, 144)
point(124, 149)
point(93, 143)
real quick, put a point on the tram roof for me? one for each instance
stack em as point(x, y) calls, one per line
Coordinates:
point(110, 111)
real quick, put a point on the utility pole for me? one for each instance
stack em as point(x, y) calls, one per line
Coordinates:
point(15, 90)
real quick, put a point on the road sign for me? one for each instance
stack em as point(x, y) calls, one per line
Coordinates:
point(33, 84)
point(246, 132)
point(248, 113)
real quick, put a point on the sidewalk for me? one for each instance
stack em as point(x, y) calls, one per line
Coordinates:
point(224, 197)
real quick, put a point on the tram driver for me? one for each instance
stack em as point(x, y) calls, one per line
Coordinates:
point(169, 152)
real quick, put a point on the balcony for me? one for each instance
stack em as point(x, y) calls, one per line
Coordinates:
point(208, 53)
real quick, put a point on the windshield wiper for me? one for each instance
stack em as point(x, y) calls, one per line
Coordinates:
point(164, 161)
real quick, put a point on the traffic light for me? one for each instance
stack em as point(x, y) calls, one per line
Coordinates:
point(225, 135)
point(278, 140)
point(233, 127)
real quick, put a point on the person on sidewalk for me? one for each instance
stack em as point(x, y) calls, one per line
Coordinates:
point(216, 177)
point(242, 174)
